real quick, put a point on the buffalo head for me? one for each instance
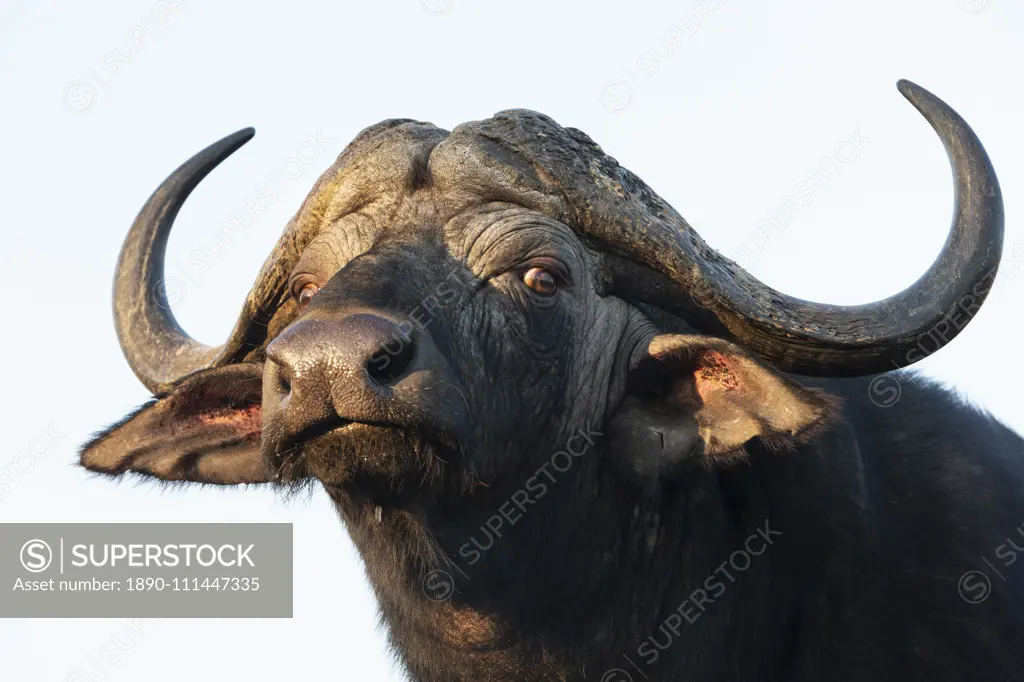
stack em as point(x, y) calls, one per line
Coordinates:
point(444, 304)
point(448, 309)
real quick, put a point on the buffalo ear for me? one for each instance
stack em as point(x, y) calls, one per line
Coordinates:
point(700, 397)
point(206, 429)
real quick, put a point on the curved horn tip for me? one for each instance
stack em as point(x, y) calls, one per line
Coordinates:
point(918, 96)
point(246, 132)
point(909, 89)
point(236, 139)
point(925, 101)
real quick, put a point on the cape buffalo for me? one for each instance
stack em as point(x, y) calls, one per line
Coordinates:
point(571, 441)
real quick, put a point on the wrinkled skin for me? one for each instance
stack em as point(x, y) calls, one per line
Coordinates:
point(494, 558)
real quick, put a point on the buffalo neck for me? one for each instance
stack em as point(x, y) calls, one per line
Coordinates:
point(554, 596)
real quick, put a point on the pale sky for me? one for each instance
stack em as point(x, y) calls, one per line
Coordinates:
point(722, 106)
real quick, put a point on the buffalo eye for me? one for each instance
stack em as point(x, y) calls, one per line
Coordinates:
point(306, 293)
point(541, 281)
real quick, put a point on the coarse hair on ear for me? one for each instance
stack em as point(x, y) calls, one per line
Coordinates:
point(205, 430)
point(702, 398)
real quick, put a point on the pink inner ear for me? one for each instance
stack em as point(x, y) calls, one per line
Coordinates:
point(715, 373)
point(248, 420)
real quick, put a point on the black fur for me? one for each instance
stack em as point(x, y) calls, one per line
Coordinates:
point(862, 524)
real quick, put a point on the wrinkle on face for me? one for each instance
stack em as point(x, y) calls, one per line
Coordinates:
point(501, 236)
point(337, 245)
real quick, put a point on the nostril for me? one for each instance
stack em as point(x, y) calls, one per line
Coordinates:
point(391, 362)
point(283, 376)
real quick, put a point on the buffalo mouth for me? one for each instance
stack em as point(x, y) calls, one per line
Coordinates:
point(386, 463)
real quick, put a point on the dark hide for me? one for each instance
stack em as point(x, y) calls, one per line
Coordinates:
point(577, 485)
